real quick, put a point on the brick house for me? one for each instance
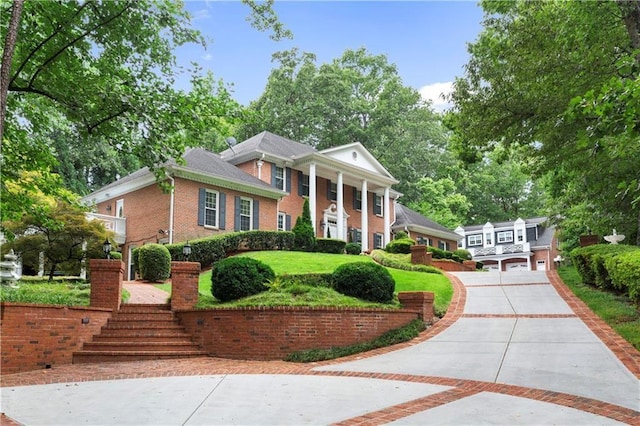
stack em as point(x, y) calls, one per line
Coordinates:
point(528, 244)
point(422, 230)
point(260, 183)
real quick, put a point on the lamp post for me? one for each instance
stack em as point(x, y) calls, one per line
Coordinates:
point(106, 248)
point(186, 250)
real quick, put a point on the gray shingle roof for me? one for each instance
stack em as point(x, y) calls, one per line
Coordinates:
point(407, 217)
point(507, 224)
point(268, 143)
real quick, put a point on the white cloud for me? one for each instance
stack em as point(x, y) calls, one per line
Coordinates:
point(207, 57)
point(436, 93)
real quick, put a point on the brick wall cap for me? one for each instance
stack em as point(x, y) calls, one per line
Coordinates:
point(185, 266)
point(416, 295)
point(295, 309)
point(43, 305)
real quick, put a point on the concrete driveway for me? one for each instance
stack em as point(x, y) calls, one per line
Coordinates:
point(514, 348)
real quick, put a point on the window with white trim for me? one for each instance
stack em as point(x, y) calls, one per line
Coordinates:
point(504, 237)
point(305, 185)
point(246, 214)
point(377, 240)
point(211, 208)
point(333, 191)
point(488, 238)
point(519, 234)
point(377, 205)
point(474, 240)
point(282, 221)
point(280, 178)
point(358, 200)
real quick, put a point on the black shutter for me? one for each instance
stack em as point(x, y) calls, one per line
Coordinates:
point(287, 222)
point(355, 202)
point(273, 174)
point(300, 182)
point(202, 193)
point(236, 214)
point(288, 183)
point(222, 210)
point(256, 214)
point(329, 189)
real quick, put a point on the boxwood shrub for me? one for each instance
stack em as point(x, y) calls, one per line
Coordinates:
point(154, 262)
point(385, 260)
point(624, 271)
point(330, 245)
point(353, 248)
point(237, 277)
point(590, 262)
point(402, 245)
point(364, 280)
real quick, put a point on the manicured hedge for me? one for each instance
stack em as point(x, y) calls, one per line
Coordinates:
point(624, 271)
point(364, 280)
point(155, 262)
point(210, 250)
point(353, 248)
point(379, 257)
point(402, 245)
point(330, 245)
point(609, 266)
point(237, 277)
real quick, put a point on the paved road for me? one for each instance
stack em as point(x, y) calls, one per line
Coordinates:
point(514, 349)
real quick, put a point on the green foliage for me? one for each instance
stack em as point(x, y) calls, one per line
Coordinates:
point(442, 201)
point(400, 235)
point(400, 245)
point(305, 239)
point(399, 335)
point(624, 272)
point(353, 248)
point(364, 280)
point(557, 83)
point(330, 245)
point(209, 250)
point(115, 255)
point(314, 280)
point(615, 309)
point(439, 253)
point(394, 261)
point(66, 293)
point(60, 232)
point(154, 262)
point(237, 277)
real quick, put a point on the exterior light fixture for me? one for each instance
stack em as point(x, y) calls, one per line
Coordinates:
point(186, 251)
point(106, 248)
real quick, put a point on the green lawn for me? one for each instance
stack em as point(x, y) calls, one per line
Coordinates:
point(616, 310)
point(294, 262)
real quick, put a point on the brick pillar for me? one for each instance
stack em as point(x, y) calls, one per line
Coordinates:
point(469, 264)
point(184, 284)
point(420, 255)
point(106, 283)
point(419, 301)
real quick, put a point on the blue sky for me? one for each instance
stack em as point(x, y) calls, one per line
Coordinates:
point(426, 40)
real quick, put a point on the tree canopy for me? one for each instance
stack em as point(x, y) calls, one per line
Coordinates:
point(558, 81)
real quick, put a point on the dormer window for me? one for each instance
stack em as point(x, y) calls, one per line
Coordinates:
point(474, 240)
point(504, 237)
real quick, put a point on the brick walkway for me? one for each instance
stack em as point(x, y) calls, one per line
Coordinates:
point(461, 388)
point(144, 293)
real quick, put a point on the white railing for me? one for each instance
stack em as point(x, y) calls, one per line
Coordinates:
point(500, 249)
point(117, 225)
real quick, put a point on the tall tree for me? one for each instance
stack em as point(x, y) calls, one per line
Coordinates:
point(530, 84)
point(358, 97)
point(103, 72)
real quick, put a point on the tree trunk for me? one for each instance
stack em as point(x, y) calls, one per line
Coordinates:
point(52, 271)
point(631, 18)
point(7, 57)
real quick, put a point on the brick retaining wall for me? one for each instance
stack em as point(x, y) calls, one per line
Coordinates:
point(42, 336)
point(272, 333)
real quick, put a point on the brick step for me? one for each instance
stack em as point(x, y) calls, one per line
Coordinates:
point(84, 357)
point(137, 325)
point(143, 316)
point(146, 333)
point(134, 346)
point(178, 338)
point(144, 307)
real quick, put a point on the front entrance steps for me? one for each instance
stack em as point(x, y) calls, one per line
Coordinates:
point(139, 332)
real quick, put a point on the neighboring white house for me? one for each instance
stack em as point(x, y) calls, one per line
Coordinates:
point(526, 244)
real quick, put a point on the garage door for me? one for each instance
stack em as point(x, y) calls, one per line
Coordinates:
point(517, 266)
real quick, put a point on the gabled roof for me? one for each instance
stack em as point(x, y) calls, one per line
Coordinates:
point(266, 143)
point(356, 155)
point(200, 165)
point(508, 224)
point(405, 217)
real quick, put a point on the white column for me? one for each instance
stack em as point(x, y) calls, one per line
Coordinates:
point(528, 263)
point(312, 195)
point(340, 207)
point(387, 217)
point(365, 217)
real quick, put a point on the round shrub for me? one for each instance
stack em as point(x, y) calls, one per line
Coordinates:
point(400, 246)
point(237, 277)
point(463, 254)
point(364, 280)
point(400, 235)
point(353, 248)
point(154, 261)
point(115, 255)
